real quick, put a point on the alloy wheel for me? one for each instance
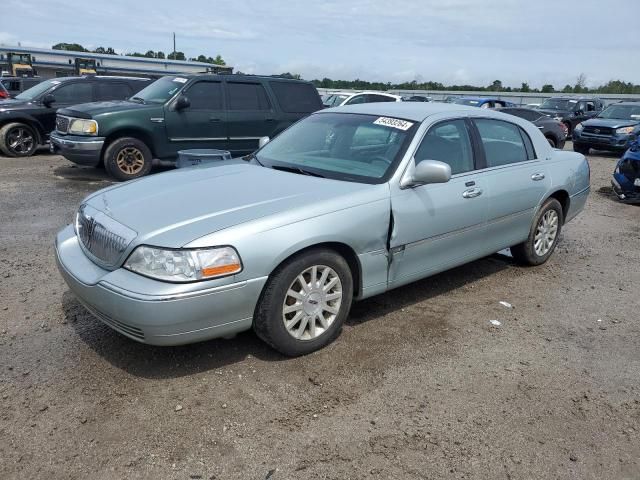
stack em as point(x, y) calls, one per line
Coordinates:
point(312, 302)
point(546, 233)
point(20, 140)
point(130, 160)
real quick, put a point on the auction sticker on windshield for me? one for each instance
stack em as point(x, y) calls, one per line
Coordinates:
point(394, 123)
point(180, 80)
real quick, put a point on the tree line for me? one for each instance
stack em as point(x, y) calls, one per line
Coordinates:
point(613, 86)
point(76, 47)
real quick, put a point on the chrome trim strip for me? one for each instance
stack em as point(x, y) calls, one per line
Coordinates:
point(442, 235)
point(581, 191)
point(245, 138)
point(197, 139)
point(157, 119)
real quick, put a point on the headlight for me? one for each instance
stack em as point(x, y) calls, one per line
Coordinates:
point(578, 128)
point(184, 265)
point(625, 130)
point(83, 127)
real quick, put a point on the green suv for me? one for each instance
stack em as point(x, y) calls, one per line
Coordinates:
point(226, 112)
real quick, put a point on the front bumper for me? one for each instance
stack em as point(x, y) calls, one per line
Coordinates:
point(602, 142)
point(625, 190)
point(153, 312)
point(78, 149)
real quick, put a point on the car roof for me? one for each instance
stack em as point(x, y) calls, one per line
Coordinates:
point(101, 77)
point(628, 103)
point(416, 111)
point(234, 76)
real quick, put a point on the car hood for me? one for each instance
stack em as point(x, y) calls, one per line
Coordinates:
point(175, 208)
point(12, 104)
point(609, 122)
point(90, 110)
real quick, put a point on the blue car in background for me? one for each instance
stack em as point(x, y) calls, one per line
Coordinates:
point(482, 102)
point(626, 176)
point(613, 129)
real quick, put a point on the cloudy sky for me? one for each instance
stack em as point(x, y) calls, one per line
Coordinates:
point(451, 41)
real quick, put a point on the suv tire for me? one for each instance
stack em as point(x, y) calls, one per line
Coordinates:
point(583, 149)
point(127, 158)
point(317, 307)
point(18, 140)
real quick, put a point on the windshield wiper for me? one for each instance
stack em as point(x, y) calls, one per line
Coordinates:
point(137, 100)
point(299, 170)
point(252, 156)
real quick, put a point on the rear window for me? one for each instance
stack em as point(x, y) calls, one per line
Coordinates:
point(296, 97)
point(246, 96)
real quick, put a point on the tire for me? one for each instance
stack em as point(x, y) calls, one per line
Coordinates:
point(18, 140)
point(304, 332)
point(569, 129)
point(526, 252)
point(127, 158)
point(551, 141)
point(583, 149)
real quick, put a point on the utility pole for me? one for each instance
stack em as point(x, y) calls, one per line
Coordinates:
point(174, 45)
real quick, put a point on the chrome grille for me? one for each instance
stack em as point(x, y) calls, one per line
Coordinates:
point(62, 124)
point(104, 239)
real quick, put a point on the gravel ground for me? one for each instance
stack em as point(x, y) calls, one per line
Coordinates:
point(420, 384)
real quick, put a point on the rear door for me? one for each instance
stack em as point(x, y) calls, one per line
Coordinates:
point(440, 225)
point(517, 180)
point(111, 90)
point(250, 115)
point(203, 123)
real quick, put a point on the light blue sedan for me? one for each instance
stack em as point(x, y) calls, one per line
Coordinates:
point(345, 204)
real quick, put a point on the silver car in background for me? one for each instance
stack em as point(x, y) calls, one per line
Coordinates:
point(348, 203)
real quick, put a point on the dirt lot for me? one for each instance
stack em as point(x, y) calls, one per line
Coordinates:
point(419, 385)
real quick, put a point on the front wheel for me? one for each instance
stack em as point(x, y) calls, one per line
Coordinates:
point(18, 140)
point(583, 149)
point(305, 302)
point(543, 236)
point(127, 158)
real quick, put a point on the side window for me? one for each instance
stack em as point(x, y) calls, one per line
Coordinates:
point(112, 91)
point(247, 96)
point(79, 92)
point(357, 99)
point(447, 142)
point(591, 107)
point(380, 98)
point(205, 96)
point(366, 135)
point(502, 142)
point(299, 97)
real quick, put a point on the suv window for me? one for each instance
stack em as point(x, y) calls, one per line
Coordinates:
point(296, 97)
point(357, 99)
point(247, 96)
point(78, 92)
point(447, 142)
point(205, 96)
point(112, 91)
point(502, 141)
point(380, 98)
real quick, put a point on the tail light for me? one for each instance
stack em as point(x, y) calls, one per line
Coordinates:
point(4, 93)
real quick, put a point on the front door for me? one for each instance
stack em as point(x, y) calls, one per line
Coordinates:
point(250, 115)
point(203, 123)
point(517, 180)
point(438, 226)
point(66, 95)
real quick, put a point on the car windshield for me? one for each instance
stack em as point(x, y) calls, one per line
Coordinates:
point(467, 101)
point(341, 146)
point(558, 104)
point(621, 112)
point(161, 90)
point(37, 90)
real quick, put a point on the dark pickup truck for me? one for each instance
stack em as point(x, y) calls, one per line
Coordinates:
point(225, 112)
point(571, 110)
point(27, 119)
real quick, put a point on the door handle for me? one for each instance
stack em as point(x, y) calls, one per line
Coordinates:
point(536, 177)
point(214, 119)
point(270, 119)
point(472, 193)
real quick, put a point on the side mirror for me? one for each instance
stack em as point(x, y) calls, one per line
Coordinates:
point(579, 112)
point(48, 99)
point(182, 102)
point(427, 171)
point(263, 141)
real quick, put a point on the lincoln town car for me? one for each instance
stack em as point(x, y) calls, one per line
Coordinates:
point(348, 203)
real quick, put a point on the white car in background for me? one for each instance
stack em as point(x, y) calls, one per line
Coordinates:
point(370, 97)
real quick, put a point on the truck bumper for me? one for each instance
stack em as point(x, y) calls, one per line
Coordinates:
point(174, 315)
point(80, 150)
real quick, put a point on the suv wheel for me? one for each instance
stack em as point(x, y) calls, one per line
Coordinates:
point(583, 149)
point(305, 302)
point(127, 158)
point(552, 142)
point(18, 140)
point(543, 236)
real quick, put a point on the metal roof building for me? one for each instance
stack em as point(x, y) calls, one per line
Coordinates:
point(57, 63)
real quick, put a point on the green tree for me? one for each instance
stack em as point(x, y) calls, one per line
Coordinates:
point(496, 86)
point(525, 87)
point(218, 61)
point(150, 54)
point(548, 88)
point(160, 54)
point(73, 47)
point(176, 56)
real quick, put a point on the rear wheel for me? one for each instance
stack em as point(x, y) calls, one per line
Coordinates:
point(543, 236)
point(18, 140)
point(552, 142)
point(127, 158)
point(305, 302)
